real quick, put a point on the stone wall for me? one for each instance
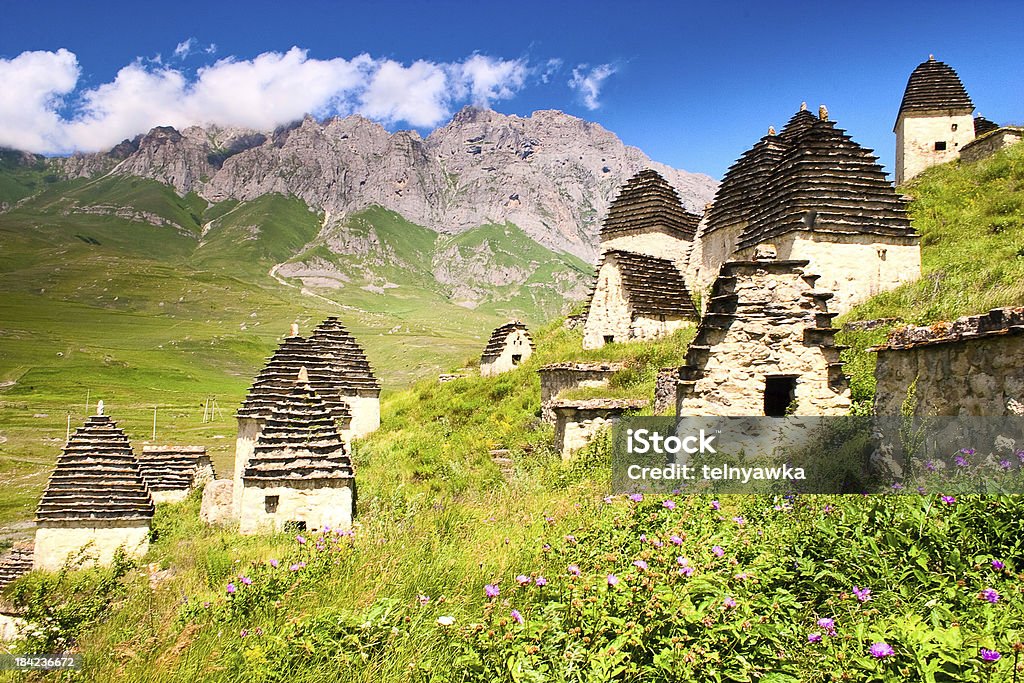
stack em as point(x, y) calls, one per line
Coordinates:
point(656, 244)
point(853, 267)
point(317, 506)
point(559, 377)
point(665, 390)
point(218, 502)
point(609, 314)
point(990, 143)
point(916, 135)
point(710, 252)
point(54, 544)
point(577, 422)
point(974, 366)
point(245, 443)
point(365, 414)
point(517, 343)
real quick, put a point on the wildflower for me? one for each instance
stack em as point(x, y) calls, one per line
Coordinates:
point(1005, 464)
point(682, 561)
point(231, 588)
point(967, 451)
point(274, 563)
point(637, 497)
point(739, 521)
point(423, 599)
point(523, 579)
point(640, 564)
point(669, 504)
point(948, 500)
point(715, 505)
point(717, 550)
point(491, 590)
point(998, 565)
point(675, 540)
point(896, 486)
point(990, 595)
point(863, 594)
point(541, 581)
point(517, 617)
point(295, 567)
point(1020, 455)
point(961, 461)
point(570, 539)
point(685, 571)
point(300, 539)
point(729, 602)
point(813, 637)
point(829, 625)
point(574, 570)
point(921, 490)
point(549, 520)
point(989, 655)
point(643, 538)
point(613, 580)
point(246, 581)
point(930, 466)
point(881, 650)
point(607, 500)
point(244, 632)
point(445, 621)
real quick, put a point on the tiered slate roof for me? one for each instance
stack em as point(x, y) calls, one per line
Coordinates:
point(299, 442)
point(648, 203)
point(810, 177)
point(983, 125)
point(496, 344)
point(331, 339)
point(15, 563)
point(97, 477)
point(654, 286)
point(935, 86)
point(172, 468)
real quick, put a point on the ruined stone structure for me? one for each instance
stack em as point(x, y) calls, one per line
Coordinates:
point(96, 497)
point(339, 373)
point(508, 346)
point(765, 346)
point(300, 473)
point(640, 290)
point(973, 366)
point(577, 422)
point(990, 142)
point(665, 390)
point(15, 563)
point(171, 472)
point(560, 377)
point(816, 195)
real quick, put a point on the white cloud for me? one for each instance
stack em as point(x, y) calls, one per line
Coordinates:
point(589, 82)
point(550, 69)
point(267, 91)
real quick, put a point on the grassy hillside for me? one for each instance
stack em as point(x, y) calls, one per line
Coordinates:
point(588, 588)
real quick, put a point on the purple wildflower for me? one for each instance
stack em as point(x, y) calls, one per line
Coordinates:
point(729, 602)
point(685, 571)
point(813, 637)
point(828, 624)
point(989, 655)
point(896, 486)
point(637, 497)
point(244, 632)
point(612, 580)
point(231, 588)
point(998, 565)
point(541, 581)
point(300, 539)
point(669, 504)
point(967, 451)
point(739, 521)
point(274, 563)
point(295, 567)
point(423, 599)
point(1005, 464)
point(517, 617)
point(523, 579)
point(246, 581)
point(682, 561)
point(570, 539)
point(549, 520)
point(607, 500)
point(717, 550)
point(675, 539)
point(574, 570)
point(491, 590)
point(640, 564)
point(880, 650)
point(930, 466)
point(948, 500)
point(863, 594)
point(989, 594)
point(715, 505)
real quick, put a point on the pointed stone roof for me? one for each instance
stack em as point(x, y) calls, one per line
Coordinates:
point(172, 468)
point(648, 203)
point(744, 182)
point(496, 344)
point(97, 477)
point(935, 86)
point(299, 442)
point(331, 339)
point(983, 125)
point(653, 286)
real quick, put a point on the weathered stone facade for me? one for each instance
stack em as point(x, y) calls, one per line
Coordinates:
point(96, 500)
point(935, 119)
point(640, 288)
point(300, 472)
point(973, 366)
point(665, 390)
point(577, 422)
point(217, 506)
point(559, 377)
point(818, 196)
point(990, 143)
point(764, 347)
point(509, 346)
point(171, 472)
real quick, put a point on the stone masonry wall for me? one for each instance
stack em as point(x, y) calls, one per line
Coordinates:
point(554, 379)
point(316, 506)
point(609, 314)
point(989, 144)
point(916, 137)
point(54, 544)
point(656, 244)
point(665, 390)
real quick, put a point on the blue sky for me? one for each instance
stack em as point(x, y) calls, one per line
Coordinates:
point(690, 84)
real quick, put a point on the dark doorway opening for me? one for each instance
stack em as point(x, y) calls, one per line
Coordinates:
point(517, 358)
point(270, 503)
point(778, 394)
point(608, 339)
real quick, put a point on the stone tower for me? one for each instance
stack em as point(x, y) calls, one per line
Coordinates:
point(935, 119)
point(509, 345)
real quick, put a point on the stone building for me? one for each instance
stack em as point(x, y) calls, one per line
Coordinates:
point(577, 422)
point(990, 141)
point(507, 348)
point(816, 195)
point(765, 346)
point(355, 381)
point(300, 474)
point(972, 366)
point(96, 499)
point(640, 290)
point(171, 472)
point(557, 378)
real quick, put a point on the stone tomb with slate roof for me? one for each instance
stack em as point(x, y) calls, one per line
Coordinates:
point(640, 290)
point(172, 472)
point(96, 500)
point(816, 195)
point(765, 346)
point(507, 348)
point(300, 474)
